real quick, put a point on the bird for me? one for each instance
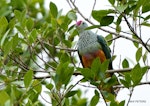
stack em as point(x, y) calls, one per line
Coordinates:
point(92, 46)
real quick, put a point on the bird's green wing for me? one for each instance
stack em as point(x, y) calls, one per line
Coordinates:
point(105, 48)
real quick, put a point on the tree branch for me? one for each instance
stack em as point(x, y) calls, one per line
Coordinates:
point(107, 31)
point(133, 31)
point(108, 71)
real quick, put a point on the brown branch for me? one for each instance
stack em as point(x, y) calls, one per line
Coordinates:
point(133, 31)
point(108, 71)
point(142, 83)
point(60, 48)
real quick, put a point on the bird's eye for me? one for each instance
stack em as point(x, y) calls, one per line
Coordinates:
point(83, 23)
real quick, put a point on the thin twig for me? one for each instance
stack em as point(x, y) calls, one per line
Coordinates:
point(131, 92)
point(42, 45)
point(133, 31)
point(93, 8)
point(121, 86)
point(45, 99)
point(116, 34)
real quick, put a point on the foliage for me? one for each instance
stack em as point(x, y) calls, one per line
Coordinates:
point(35, 40)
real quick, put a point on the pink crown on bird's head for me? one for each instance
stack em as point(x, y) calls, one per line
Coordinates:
point(78, 23)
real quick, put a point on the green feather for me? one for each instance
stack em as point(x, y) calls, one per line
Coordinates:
point(105, 48)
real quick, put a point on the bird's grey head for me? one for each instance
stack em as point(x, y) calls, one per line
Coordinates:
point(81, 26)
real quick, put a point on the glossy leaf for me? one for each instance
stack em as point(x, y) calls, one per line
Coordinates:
point(28, 78)
point(106, 20)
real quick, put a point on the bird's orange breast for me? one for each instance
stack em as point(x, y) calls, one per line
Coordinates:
point(87, 59)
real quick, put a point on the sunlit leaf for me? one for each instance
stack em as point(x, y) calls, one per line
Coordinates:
point(3, 25)
point(72, 16)
point(3, 97)
point(121, 8)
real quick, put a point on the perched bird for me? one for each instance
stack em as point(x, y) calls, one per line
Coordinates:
point(91, 46)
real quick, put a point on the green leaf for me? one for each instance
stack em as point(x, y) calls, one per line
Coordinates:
point(64, 58)
point(49, 86)
point(15, 41)
point(37, 86)
point(71, 93)
point(33, 36)
point(95, 99)
point(4, 97)
point(125, 63)
point(145, 56)
point(128, 79)
point(122, 103)
point(87, 73)
point(135, 43)
point(3, 25)
point(28, 78)
point(30, 24)
point(146, 24)
point(95, 67)
point(99, 14)
point(111, 2)
point(8, 47)
point(104, 65)
point(72, 16)
point(119, 20)
point(92, 27)
point(21, 16)
point(140, 3)
point(106, 20)
point(109, 37)
point(139, 54)
point(121, 8)
point(63, 74)
point(21, 30)
point(146, 8)
point(125, 83)
point(137, 73)
point(53, 10)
